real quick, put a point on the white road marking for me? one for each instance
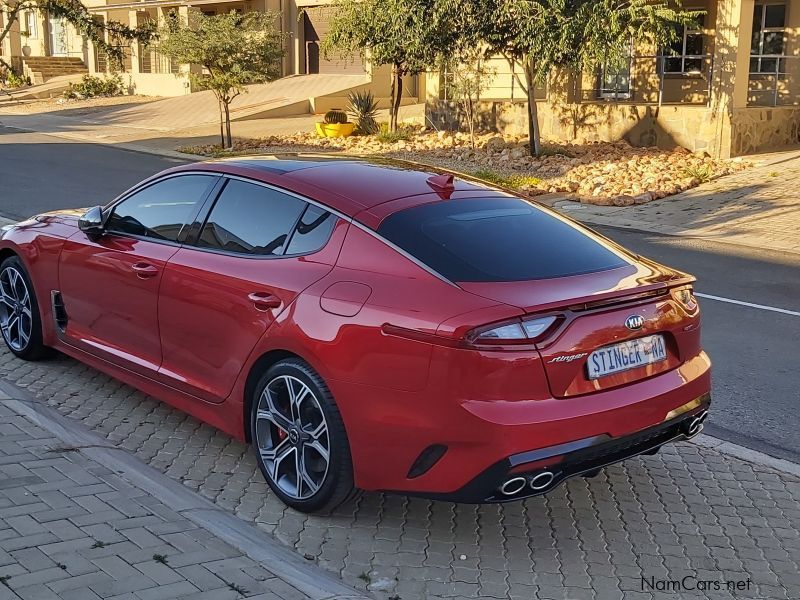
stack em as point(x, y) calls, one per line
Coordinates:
point(784, 311)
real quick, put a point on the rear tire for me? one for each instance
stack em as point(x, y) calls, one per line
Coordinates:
point(299, 438)
point(20, 319)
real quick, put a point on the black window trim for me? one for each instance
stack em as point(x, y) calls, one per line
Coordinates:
point(211, 202)
point(181, 241)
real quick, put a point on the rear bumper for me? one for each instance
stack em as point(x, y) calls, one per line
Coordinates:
point(536, 472)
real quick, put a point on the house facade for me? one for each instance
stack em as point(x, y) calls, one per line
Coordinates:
point(730, 86)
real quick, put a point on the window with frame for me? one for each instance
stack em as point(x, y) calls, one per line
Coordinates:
point(769, 39)
point(614, 81)
point(161, 210)
point(30, 24)
point(685, 54)
point(312, 231)
point(251, 219)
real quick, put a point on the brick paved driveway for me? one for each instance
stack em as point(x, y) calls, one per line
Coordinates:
point(71, 529)
point(757, 207)
point(687, 511)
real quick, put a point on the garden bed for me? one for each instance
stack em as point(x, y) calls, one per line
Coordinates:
point(597, 173)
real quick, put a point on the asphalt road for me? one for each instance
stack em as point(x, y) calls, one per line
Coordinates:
point(41, 172)
point(755, 351)
point(756, 374)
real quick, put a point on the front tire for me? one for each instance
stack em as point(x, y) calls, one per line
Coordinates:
point(299, 438)
point(20, 319)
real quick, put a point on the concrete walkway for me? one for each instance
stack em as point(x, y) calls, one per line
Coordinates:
point(758, 207)
point(80, 520)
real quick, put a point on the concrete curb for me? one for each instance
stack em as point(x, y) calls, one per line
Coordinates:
point(746, 454)
point(284, 563)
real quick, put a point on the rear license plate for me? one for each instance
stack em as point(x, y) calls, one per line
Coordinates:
point(626, 355)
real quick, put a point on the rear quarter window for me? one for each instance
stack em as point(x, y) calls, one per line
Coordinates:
point(495, 239)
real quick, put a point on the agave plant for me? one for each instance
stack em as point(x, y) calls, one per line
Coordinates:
point(364, 110)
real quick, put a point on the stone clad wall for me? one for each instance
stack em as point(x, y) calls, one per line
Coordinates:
point(692, 127)
point(757, 129)
point(697, 128)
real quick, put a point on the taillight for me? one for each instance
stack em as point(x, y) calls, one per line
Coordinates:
point(685, 297)
point(517, 331)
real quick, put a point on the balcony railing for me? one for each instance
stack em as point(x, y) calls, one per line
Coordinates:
point(653, 80)
point(774, 81)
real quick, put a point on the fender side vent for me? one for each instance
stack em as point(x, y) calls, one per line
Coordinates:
point(59, 312)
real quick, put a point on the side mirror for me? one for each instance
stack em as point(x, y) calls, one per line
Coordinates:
point(91, 223)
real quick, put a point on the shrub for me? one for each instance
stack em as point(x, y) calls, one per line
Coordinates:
point(14, 81)
point(335, 115)
point(507, 181)
point(403, 134)
point(364, 110)
point(703, 173)
point(93, 87)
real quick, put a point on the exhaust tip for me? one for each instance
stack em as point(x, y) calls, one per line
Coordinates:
point(513, 486)
point(696, 424)
point(542, 481)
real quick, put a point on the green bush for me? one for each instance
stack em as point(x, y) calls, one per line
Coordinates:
point(390, 137)
point(94, 87)
point(703, 173)
point(14, 81)
point(507, 181)
point(364, 109)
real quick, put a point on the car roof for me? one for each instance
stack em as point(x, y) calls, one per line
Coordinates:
point(348, 185)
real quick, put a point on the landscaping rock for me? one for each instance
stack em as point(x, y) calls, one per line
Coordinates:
point(607, 174)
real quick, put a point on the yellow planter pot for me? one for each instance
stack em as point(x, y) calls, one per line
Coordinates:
point(335, 129)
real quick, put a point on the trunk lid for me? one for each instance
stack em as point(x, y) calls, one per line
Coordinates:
point(594, 308)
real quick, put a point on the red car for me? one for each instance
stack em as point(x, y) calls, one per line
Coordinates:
point(368, 325)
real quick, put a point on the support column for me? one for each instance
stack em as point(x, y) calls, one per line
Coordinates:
point(133, 22)
point(731, 73)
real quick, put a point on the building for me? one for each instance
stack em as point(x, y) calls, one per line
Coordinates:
point(730, 88)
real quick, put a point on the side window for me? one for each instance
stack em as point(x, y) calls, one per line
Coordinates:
point(312, 231)
point(160, 210)
point(251, 219)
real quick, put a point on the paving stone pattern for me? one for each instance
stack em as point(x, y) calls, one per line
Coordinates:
point(70, 529)
point(757, 207)
point(687, 511)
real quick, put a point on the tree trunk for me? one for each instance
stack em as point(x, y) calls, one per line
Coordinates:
point(221, 124)
point(533, 112)
point(397, 96)
point(228, 137)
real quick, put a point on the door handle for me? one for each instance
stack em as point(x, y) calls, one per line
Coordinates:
point(144, 270)
point(264, 300)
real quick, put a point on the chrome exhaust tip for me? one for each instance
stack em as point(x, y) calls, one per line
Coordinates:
point(542, 481)
point(513, 486)
point(696, 424)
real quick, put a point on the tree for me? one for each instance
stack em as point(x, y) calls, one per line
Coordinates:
point(234, 49)
point(468, 77)
point(111, 37)
point(409, 35)
point(574, 35)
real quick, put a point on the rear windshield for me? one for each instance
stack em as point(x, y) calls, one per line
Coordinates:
point(495, 239)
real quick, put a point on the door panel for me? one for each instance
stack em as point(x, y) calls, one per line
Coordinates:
point(110, 292)
point(218, 299)
point(209, 321)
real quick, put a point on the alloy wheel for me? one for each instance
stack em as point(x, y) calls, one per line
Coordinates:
point(292, 437)
point(16, 316)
